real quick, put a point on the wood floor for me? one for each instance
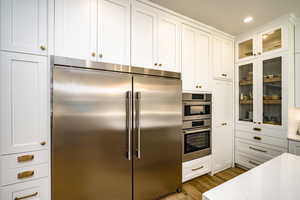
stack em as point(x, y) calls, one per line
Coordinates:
point(194, 189)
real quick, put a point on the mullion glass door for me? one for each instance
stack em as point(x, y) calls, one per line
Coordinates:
point(246, 92)
point(272, 91)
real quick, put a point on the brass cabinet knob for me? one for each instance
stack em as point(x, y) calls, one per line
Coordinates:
point(259, 53)
point(155, 64)
point(100, 55)
point(93, 54)
point(160, 65)
point(43, 143)
point(42, 47)
point(254, 54)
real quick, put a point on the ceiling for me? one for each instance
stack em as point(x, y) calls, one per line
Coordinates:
point(228, 15)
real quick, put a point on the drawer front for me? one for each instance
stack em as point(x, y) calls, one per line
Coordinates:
point(32, 190)
point(19, 175)
point(247, 161)
point(262, 139)
point(24, 160)
point(262, 151)
point(263, 130)
point(195, 168)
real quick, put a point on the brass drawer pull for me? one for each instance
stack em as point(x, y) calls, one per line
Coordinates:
point(26, 197)
point(196, 169)
point(253, 163)
point(263, 151)
point(43, 143)
point(26, 174)
point(257, 129)
point(25, 158)
point(42, 47)
point(256, 138)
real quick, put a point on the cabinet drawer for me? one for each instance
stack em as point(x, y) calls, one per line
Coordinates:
point(267, 130)
point(195, 168)
point(24, 160)
point(247, 161)
point(32, 190)
point(260, 151)
point(19, 175)
point(262, 139)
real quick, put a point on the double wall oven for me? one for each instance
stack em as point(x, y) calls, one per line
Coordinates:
point(196, 126)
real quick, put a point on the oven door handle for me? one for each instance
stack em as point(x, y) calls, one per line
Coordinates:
point(196, 131)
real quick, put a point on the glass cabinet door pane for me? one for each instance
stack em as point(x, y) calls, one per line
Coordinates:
point(272, 91)
point(272, 40)
point(246, 49)
point(246, 92)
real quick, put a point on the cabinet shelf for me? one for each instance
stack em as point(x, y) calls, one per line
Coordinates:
point(272, 80)
point(246, 102)
point(272, 102)
point(246, 82)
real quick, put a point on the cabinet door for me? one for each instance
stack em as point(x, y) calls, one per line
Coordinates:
point(222, 148)
point(217, 57)
point(227, 59)
point(245, 49)
point(168, 44)
point(272, 91)
point(202, 62)
point(24, 103)
point(144, 36)
point(294, 147)
point(297, 81)
point(24, 26)
point(114, 31)
point(188, 57)
point(76, 29)
point(297, 37)
point(222, 103)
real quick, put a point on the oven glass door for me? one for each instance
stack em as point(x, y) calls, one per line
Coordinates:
point(192, 110)
point(196, 141)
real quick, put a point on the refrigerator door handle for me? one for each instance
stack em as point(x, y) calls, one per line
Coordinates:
point(138, 125)
point(129, 121)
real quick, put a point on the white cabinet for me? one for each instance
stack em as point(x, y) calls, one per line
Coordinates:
point(155, 39)
point(297, 79)
point(24, 118)
point(223, 58)
point(222, 132)
point(196, 74)
point(85, 32)
point(144, 29)
point(24, 26)
point(194, 168)
point(114, 31)
point(76, 29)
point(297, 37)
point(294, 147)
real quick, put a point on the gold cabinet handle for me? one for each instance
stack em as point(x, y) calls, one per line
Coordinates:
point(256, 138)
point(25, 158)
point(93, 54)
point(160, 65)
point(42, 47)
point(155, 64)
point(26, 174)
point(257, 129)
point(43, 143)
point(196, 169)
point(27, 197)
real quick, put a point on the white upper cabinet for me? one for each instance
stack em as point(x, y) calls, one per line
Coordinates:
point(24, 26)
point(144, 37)
point(297, 37)
point(76, 29)
point(114, 31)
point(168, 44)
point(24, 118)
point(246, 48)
point(155, 39)
point(223, 58)
point(195, 59)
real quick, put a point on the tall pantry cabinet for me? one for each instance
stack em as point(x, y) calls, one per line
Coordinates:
point(264, 92)
point(24, 102)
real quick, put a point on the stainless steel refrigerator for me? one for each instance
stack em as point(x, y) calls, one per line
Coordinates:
point(116, 131)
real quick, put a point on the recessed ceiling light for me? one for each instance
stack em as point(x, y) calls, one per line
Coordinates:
point(248, 19)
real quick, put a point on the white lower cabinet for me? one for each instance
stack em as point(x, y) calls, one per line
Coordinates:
point(35, 190)
point(294, 147)
point(194, 168)
point(24, 118)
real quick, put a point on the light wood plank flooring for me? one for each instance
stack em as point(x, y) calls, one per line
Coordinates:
point(194, 189)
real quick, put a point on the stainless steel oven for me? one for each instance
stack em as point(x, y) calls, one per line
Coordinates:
point(196, 134)
point(196, 106)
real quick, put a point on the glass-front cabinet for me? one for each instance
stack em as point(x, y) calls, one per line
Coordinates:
point(245, 74)
point(245, 49)
point(271, 40)
point(272, 91)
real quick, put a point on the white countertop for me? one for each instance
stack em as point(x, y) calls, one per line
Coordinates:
point(277, 179)
point(294, 137)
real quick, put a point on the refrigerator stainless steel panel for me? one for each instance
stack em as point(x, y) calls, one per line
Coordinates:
point(157, 136)
point(91, 135)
